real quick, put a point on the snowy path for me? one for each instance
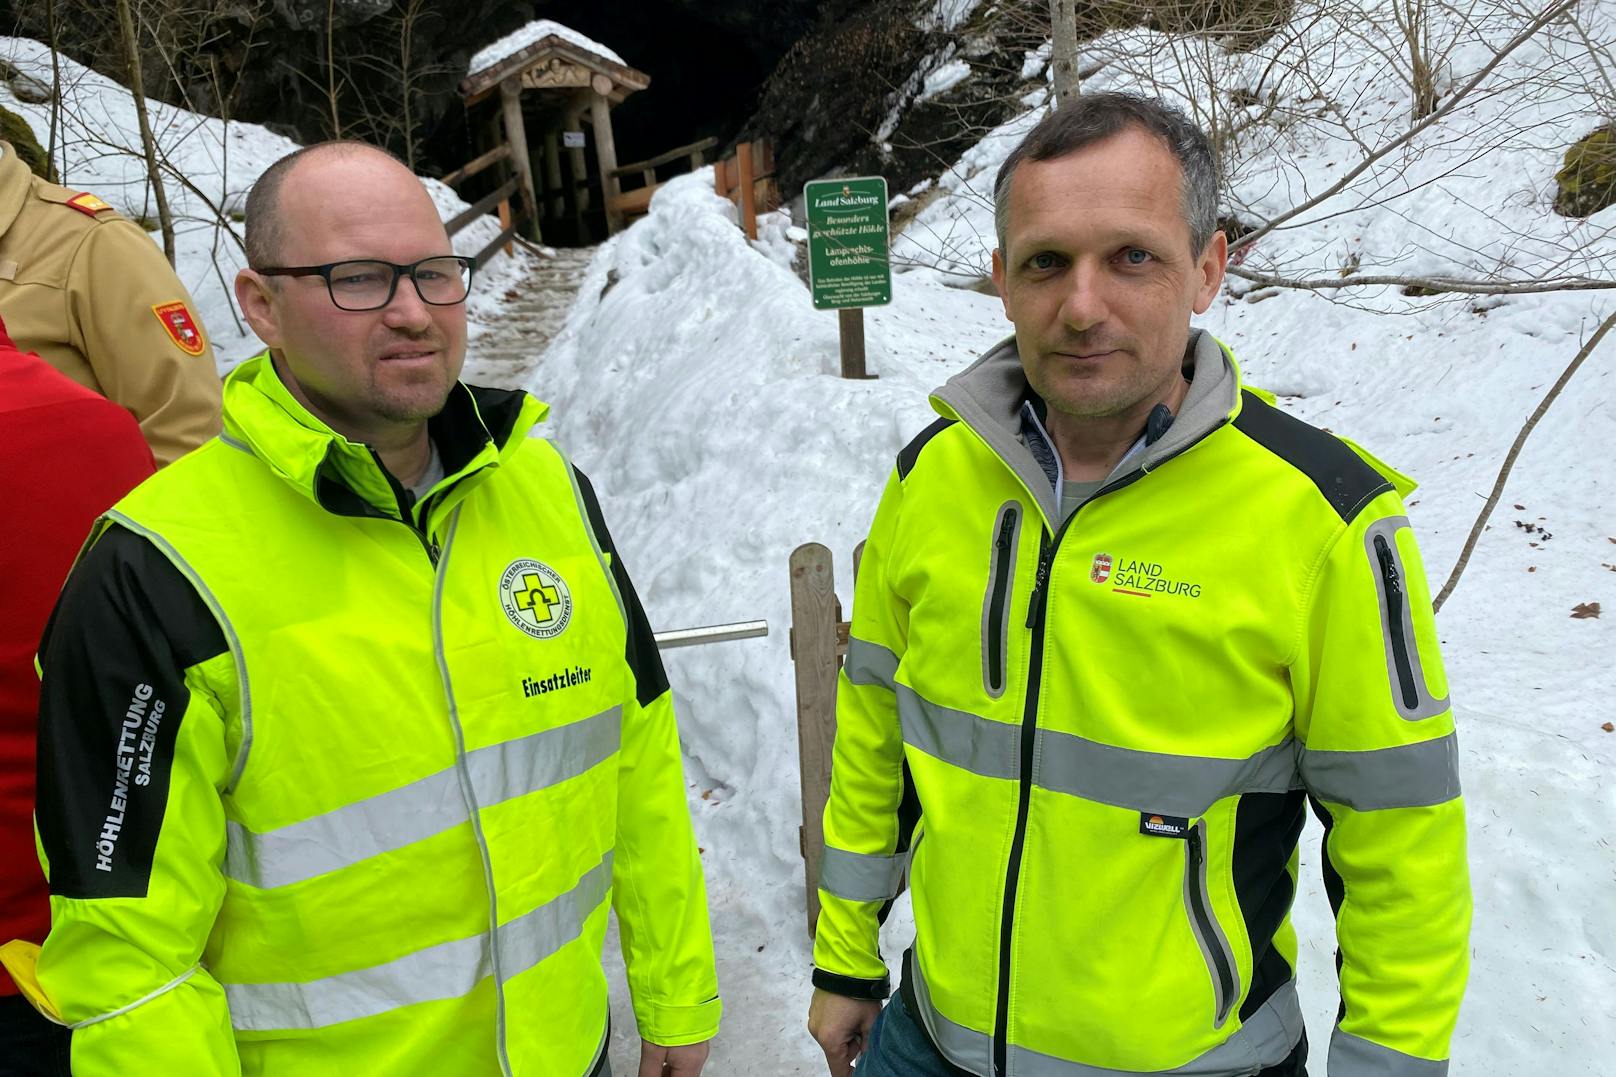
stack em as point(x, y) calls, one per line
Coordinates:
point(508, 337)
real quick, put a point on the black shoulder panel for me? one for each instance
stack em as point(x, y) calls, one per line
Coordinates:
point(114, 655)
point(1342, 476)
point(911, 451)
point(650, 679)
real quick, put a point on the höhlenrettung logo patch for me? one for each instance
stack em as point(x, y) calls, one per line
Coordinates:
point(535, 598)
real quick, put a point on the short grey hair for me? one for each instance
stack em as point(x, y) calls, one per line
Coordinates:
point(1090, 118)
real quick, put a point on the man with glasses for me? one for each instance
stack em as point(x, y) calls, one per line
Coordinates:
point(353, 728)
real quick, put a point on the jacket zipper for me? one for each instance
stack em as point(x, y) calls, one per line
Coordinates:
point(405, 517)
point(1029, 731)
point(997, 626)
point(1222, 966)
point(1394, 620)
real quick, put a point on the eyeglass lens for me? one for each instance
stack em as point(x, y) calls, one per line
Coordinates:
point(365, 285)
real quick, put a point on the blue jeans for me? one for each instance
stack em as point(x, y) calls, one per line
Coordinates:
point(899, 1048)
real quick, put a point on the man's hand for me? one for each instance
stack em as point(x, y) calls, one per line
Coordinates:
point(659, 1061)
point(842, 1027)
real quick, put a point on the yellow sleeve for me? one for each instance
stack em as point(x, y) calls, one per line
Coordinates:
point(1379, 758)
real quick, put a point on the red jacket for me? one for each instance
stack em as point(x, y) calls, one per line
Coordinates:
point(66, 456)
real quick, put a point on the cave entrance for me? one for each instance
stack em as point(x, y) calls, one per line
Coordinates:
point(539, 103)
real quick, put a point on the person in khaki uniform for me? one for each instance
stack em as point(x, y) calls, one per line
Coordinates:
point(84, 287)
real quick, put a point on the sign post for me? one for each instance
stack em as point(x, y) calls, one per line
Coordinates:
point(849, 256)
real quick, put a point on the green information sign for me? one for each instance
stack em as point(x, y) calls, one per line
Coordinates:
point(848, 243)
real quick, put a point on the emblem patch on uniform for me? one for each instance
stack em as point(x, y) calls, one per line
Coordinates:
point(1163, 826)
point(181, 327)
point(1101, 569)
point(535, 598)
point(88, 203)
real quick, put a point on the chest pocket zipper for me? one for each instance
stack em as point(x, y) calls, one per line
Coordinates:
point(996, 603)
point(1214, 944)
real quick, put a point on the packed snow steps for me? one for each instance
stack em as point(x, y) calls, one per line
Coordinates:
point(531, 311)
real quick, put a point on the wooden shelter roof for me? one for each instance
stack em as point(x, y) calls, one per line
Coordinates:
point(555, 62)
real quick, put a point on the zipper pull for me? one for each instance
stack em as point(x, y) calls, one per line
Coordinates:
point(1035, 605)
point(433, 551)
point(1003, 541)
point(1388, 565)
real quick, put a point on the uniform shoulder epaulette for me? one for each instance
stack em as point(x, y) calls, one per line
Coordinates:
point(88, 204)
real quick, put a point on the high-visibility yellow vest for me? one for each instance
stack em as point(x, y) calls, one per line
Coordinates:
point(435, 771)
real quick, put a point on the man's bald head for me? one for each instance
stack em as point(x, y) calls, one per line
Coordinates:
point(265, 221)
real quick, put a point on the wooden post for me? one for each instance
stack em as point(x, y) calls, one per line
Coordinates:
point(578, 172)
point(814, 616)
point(510, 96)
point(743, 159)
point(557, 197)
point(600, 112)
point(505, 222)
point(850, 320)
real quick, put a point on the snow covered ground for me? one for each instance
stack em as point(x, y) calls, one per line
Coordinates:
point(697, 386)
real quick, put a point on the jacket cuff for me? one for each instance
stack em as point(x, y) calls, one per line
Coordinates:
point(675, 1026)
point(852, 986)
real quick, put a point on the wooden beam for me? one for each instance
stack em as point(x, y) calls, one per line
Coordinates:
point(693, 151)
point(481, 206)
point(554, 194)
point(501, 240)
point(600, 112)
point(580, 166)
point(477, 164)
point(743, 158)
point(814, 615)
point(510, 96)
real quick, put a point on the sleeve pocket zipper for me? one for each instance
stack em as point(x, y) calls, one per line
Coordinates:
point(1392, 582)
point(995, 619)
point(1214, 944)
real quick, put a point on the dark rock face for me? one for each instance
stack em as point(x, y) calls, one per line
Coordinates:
point(268, 61)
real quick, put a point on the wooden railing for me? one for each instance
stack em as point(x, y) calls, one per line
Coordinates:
point(637, 202)
point(509, 220)
point(747, 179)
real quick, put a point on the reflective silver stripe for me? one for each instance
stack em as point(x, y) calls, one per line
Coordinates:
point(1265, 1040)
point(447, 970)
point(1064, 763)
point(991, 749)
point(1427, 706)
point(1354, 1056)
point(861, 876)
point(870, 664)
point(1154, 781)
point(415, 812)
point(1405, 776)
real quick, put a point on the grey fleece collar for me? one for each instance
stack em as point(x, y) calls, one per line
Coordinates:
point(988, 396)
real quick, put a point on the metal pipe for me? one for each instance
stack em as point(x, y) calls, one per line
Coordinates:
point(689, 637)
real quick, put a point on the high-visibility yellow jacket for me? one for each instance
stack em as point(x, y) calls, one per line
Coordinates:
point(1109, 728)
point(335, 782)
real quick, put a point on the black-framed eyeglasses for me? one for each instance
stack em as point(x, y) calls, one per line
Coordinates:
point(369, 283)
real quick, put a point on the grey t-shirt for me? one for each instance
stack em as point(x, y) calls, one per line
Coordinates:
point(433, 474)
point(1074, 494)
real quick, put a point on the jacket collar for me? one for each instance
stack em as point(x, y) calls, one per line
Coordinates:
point(477, 429)
point(992, 397)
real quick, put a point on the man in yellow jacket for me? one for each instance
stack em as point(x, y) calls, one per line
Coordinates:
point(85, 288)
point(1119, 621)
point(353, 729)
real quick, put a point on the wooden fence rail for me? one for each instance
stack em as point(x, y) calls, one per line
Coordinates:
point(818, 644)
point(747, 179)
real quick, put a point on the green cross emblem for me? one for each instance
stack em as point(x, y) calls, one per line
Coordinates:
point(535, 591)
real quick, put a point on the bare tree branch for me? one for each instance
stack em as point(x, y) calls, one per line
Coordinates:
point(1455, 99)
point(1509, 460)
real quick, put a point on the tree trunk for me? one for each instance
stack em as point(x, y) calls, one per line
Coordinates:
point(137, 89)
point(1063, 49)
